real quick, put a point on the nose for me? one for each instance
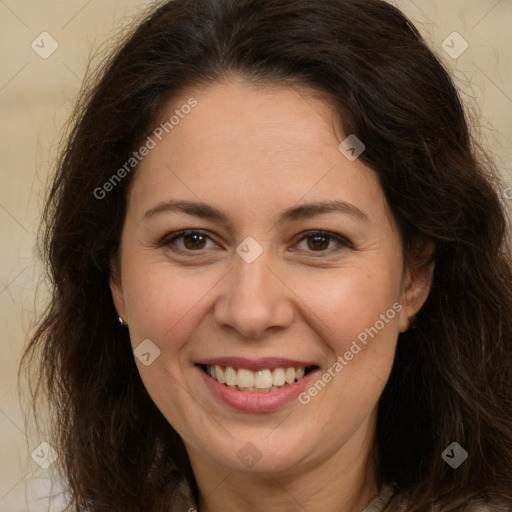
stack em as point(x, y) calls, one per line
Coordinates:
point(254, 299)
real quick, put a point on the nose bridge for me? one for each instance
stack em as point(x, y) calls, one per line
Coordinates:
point(254, 278)
point(253, 298)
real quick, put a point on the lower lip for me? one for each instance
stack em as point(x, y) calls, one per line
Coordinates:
point(256, 401)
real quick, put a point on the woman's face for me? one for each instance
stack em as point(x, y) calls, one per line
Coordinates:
point(269, 285)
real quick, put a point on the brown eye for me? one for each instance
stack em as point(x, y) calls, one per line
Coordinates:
point(192, 241)
point(321, 241)
point(318, 242)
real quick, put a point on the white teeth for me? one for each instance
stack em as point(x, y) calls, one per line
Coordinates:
point(290, 375)
point(278, 377)
point(245, 378)
point(231, 378)
point(263, 379)
point(259, 381)
point(220, 374)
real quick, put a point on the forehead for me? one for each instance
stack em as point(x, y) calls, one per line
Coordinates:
point(275, 118)
point(259, 145)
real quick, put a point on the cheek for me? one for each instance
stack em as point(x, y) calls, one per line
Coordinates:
point(360, 326)
point(359, 314)
point(163, 300)
point(351, 301)
point(166, 305)
point(166, 302)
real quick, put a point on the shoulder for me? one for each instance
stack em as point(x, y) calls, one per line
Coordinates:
point(378, 504)
point(380, 501)
point(183, 498)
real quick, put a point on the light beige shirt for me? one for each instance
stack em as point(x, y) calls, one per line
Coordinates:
point(185, 502)
point(49, 495)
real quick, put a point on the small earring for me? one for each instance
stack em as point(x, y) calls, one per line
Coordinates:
point(122, 322)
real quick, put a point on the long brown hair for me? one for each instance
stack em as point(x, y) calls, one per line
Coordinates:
point(452, 378)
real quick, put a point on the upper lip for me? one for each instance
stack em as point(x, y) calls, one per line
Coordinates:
point(255, 364)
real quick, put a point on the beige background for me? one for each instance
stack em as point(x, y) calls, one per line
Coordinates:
point(36, 95)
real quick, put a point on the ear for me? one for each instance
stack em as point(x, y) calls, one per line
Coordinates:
point(116, 288)
point(417, 285)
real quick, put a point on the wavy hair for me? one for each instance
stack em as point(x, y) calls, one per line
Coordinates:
point(452, 374)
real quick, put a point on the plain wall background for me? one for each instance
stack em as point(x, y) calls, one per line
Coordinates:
point(36, 96)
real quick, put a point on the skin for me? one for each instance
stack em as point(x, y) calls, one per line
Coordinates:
point(253, 152)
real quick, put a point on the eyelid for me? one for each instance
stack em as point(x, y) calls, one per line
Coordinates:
point(340, 239)
point(168, 239)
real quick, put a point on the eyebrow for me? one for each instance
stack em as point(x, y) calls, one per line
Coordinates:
point(304, 211)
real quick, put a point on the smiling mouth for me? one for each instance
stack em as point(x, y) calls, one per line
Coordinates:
point(261, 381)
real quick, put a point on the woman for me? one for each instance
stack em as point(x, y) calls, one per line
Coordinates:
point(281, 276)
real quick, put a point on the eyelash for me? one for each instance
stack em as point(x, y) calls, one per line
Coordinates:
point(342, 241)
